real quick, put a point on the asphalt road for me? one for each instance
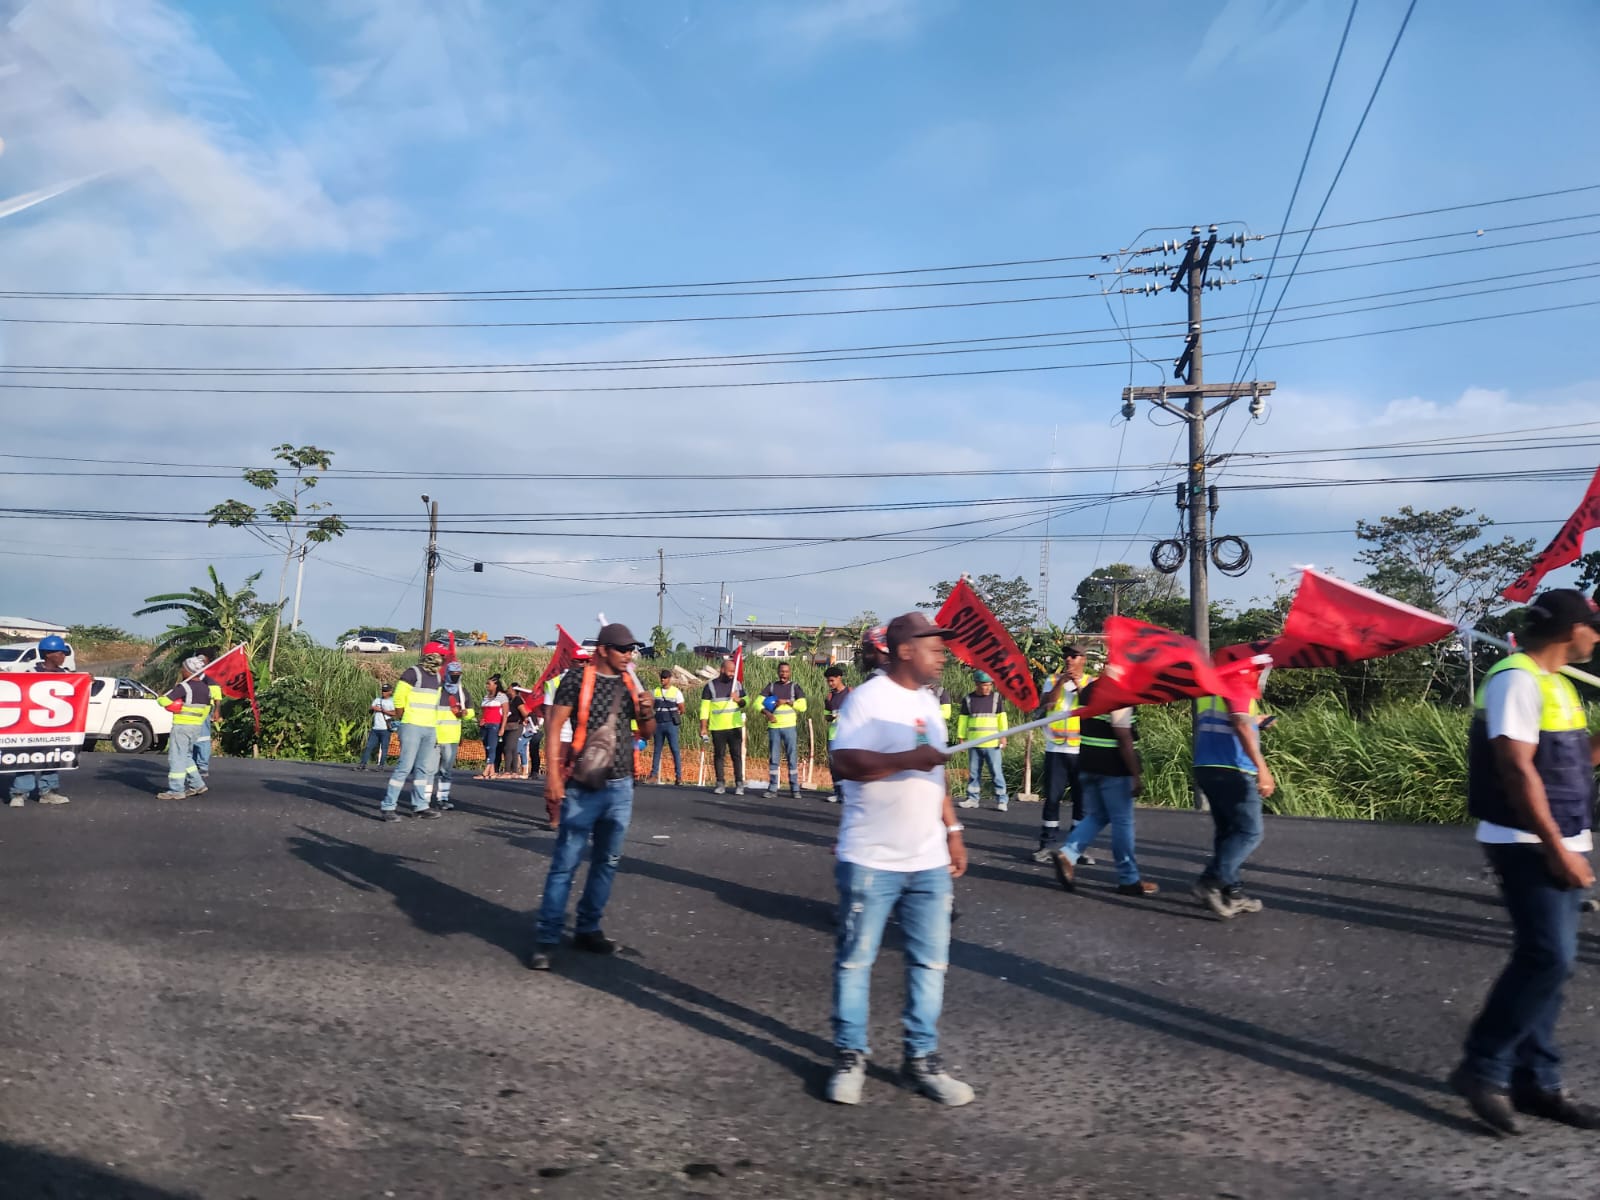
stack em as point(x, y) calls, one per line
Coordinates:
point(267, 993)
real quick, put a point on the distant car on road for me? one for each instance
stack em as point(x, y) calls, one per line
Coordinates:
point(513, 642)
point(713, 651)
point(369, 643)
point(127, 714)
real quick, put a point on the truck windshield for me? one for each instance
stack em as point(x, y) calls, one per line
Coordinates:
point(12, 655)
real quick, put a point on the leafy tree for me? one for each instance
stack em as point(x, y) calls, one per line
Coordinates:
point(1142, 592)
point(300, 525)
point(98, 633)
point(1010, 600)
point(661, 639)
point(1589, 565)
point(1434, 560)
point(210, 622)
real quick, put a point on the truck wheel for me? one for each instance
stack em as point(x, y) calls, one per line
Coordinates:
point(131, 736)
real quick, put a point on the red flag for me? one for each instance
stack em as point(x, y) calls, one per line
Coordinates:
point(1565, 548)
point(232, 674)
point(738, 668)
point(567, 652)
point(982, 643)
point(1332, 622)
point(1146, 664)
point(450, 657)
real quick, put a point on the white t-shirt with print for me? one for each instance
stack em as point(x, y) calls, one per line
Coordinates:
point(896, 823)
point(1513, 705)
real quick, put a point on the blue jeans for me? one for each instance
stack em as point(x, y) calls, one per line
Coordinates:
point(1235, 803)
point(1107, 800)
point(787, 741)
point(1514, 1036)
point(182, 774)
point(979, 757)
point(419, 758)
point(491, 745)
point(603, 812)
point(377, 746)
point(667, 735)
point(923, 900)
point(202, 749)
point(447, 763)
point(47, 781)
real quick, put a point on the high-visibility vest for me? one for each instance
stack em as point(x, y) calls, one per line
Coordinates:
point(1215, 742)
point(418, 693)
point(945, 705)
point(981, 715)
point(449, 723)
point(1102, 753)
point(719, 705)
point(783, 717)
point(1066, 734)
point(195, 699)
point(1563, 756)
point(669, 705)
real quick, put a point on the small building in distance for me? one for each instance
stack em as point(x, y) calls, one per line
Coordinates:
point(790, 641)
point(23, 629)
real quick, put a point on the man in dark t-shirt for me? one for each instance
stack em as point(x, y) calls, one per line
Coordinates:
point(599, 811)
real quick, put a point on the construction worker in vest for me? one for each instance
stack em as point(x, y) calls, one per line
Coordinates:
point(722, 717)
point(1062, 740)
point(1111, 774)
point(832, 703)
point(52, 661)
point(196, 665)
point(669, 707)
point(1530, 783)
point(190, 705)
point(1232, 773)
point(983, 711)
point(455, 706)
point(783, 700)
point(417, 696)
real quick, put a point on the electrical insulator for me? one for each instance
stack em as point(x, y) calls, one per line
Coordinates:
point(1211, 499)
point(1258, 406)
point(1183, 496)
point(478, 567)
point(1129, 409)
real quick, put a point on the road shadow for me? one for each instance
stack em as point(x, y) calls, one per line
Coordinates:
point(27, 1172)
point(365, 802)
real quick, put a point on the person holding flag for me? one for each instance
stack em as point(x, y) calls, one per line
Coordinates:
point(1232, 773)
point(782, 700)
point(722, 717)
point(454, 707)
point(190, 704)
point(1063, 740)
point(1530, 783)
point(196, 665)
point(416, 703)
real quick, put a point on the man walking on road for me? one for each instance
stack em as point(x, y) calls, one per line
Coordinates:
point(1530, 783)
point(832, 703)
point(416, 704)
point(722, 716)
point(668, 701)
point(1233, 774)
point(196, 665)
point(983, 712)
point(53, 661)
point(1062, 741)
point(602, 699)
point(899, 851)
point(378, 737)
point(783, 699)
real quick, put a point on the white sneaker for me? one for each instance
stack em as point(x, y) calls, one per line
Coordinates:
point(16, 801)
point(849, 1077)
point(928, 1076)
point(52, 798)
point(969, 802)
point(738, 791)
point(1003, 806)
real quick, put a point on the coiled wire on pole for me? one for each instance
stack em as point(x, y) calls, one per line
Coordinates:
point(1236, 564)
point(1167, 556)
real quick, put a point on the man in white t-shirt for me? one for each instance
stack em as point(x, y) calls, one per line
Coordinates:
point(899, 851)
point(1530, 783)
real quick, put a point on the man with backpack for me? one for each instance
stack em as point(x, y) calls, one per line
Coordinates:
point(592, 781)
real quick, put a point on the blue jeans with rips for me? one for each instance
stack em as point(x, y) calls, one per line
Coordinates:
point(867, 898)
point(786, 741)
point(602, 813)
point(985, 756)
point(667, 735)
point(1514, 1037)
point(1235, 800)
point(1107, 800)
point(419, 759)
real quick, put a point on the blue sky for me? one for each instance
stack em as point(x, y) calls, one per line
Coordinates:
point(380, 145)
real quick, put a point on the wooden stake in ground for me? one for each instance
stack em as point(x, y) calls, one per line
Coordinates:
point(700, 780)
point(1027, 794)
point(811, 754)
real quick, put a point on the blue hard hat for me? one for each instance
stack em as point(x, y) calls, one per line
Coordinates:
point(770, 703)
point(51, 644)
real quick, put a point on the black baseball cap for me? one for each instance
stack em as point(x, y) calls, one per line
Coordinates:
point(1553, 614)
point(909, 626)
point(1072, 650)
point(619, 637)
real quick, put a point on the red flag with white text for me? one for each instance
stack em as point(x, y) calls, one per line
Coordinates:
point(1563, 549)
point(1146, 664)
point(979, 640)
point(1331, 622)
point(232, 674)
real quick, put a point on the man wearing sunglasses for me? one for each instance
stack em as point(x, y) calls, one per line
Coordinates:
point(591, 780)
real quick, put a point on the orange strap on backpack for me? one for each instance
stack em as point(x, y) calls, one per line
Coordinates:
point(580, 731)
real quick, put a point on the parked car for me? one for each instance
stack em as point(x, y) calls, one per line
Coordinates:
point(369, 643)
point(513, 642)
point(127, 714)
point(23, 656)
point(713, 651)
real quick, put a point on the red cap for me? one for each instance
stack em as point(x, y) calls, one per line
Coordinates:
point(435, 648)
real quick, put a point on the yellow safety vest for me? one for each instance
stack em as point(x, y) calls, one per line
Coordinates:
point(419, 699)
point(719, 705)
point(783, 717)
point(991, 717)
point(196, 701)
point(449, 725)
point(1069, 732)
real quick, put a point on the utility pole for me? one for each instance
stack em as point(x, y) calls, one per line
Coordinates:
point(661, 589)
point(1199, 547)
point(433, 565)
point(1116, 586)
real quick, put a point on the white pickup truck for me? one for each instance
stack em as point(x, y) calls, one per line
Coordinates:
point(127, 714)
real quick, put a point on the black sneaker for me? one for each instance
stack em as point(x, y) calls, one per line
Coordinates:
point(540, 956)
point(594, 942)
point(388, 814)
point(1491, 1104)
point(427, 814)
point(1555, 1106)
